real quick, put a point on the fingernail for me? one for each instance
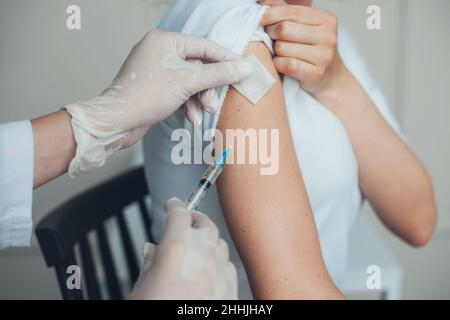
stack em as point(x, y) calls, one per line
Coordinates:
point(146, 249)
point(196, 117)
point(213, 101)
point(209, 108)
point(174, 201)
point(200, 213)
point(197, 120)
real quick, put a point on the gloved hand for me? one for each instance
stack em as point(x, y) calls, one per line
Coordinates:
point(191, 262)
point(161, 73)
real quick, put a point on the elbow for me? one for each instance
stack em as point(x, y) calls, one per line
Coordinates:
point(423, 224)
point(422, 212)
point(420, 238)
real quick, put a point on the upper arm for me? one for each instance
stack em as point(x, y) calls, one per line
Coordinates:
point(269, 216)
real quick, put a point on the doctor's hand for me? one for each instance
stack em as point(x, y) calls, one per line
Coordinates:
point(305, 44)
point(191, 262)
point(161, 73)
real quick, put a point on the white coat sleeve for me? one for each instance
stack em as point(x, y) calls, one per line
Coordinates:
point(16, 184)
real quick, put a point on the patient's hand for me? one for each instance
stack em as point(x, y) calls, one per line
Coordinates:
point(305, 44)
point(191, 262)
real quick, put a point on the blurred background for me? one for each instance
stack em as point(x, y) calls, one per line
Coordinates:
point(44, 66)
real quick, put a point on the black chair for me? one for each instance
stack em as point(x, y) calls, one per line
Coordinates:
point(69, 225)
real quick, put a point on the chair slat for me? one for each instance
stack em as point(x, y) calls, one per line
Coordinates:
point(128, 248)
point(93, 289)
point(146, 219)
point(67, 226)
point(108, 265)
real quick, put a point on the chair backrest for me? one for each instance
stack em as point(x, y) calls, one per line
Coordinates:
point(69, 225)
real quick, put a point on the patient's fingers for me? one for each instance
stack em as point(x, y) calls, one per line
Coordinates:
point(272, 2)
point(299, 14)
point(297, 69)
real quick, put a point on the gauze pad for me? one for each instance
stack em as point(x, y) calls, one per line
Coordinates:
point(257, 84)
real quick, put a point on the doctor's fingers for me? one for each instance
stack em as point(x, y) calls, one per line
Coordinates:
point(214, 282)
point(208, 98)
point(149, 252)
point(202, 221)
point(179, 221)
point(209, 277)
point(223, 251)
point(225, 286)
point(214, 75)
point(194, 110)
point(189, 47)
point(231, 292)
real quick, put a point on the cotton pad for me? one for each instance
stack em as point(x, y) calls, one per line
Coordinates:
point(255, 86)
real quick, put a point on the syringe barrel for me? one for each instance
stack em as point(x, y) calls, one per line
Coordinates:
point(207, 180)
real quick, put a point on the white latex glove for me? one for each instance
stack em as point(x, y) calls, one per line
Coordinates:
point(160, 74)
point(191, 262)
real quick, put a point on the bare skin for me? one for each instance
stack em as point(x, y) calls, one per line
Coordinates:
point(255, 220)
point(391, 176)
point(54, 146)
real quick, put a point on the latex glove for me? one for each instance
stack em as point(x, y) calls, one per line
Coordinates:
point(155, 80)
point(191, 262)
point(207, 100)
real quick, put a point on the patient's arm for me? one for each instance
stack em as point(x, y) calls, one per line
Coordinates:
point(269, 217)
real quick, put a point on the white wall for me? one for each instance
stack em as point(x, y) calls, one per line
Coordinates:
point(43, 66)
point(423, 97)
point(409, 58)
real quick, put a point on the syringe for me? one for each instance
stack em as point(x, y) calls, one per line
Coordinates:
point(207, 180)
